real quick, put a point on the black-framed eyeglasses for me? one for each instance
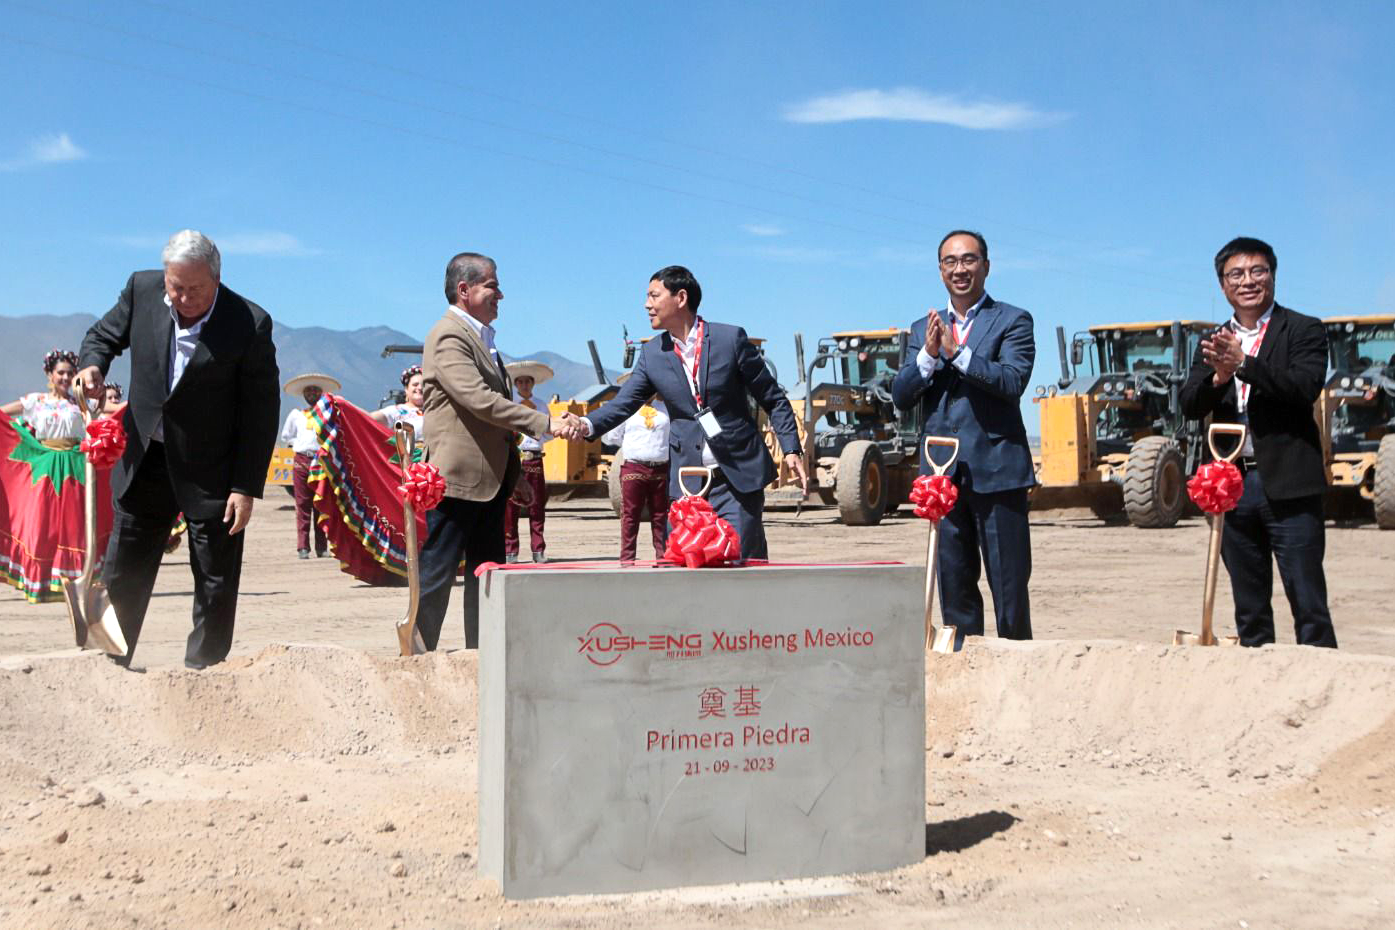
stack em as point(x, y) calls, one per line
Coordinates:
point(1254, 272)
point(967, 262)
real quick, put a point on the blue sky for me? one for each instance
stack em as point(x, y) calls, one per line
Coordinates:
point(803, 159)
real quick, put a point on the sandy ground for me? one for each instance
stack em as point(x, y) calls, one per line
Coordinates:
point(1096, 777)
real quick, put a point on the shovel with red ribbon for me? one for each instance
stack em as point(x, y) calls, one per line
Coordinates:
point(1215, 488)
point(422, 487)
point(89, 608)
point(699, 537)
point(934, 496)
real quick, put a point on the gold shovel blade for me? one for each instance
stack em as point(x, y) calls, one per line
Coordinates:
point(103, 629)
point(73, 595)
point(944, 639)
point(1186, 638)
point(409, 639)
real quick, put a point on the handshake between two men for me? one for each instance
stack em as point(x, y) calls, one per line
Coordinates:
point(568, 426)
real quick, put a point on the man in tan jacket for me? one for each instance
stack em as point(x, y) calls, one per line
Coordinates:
point(471, 430)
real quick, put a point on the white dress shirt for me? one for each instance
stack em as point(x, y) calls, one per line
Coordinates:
point(928, 364)
point(527, 443)
point(644, 436)
point(183, 341)
point(299, 434)
point(483, 330)
point(1249, 344)
point(687, 350)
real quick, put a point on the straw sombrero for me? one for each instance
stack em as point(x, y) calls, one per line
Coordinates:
point(528, 369)
point(297, 385)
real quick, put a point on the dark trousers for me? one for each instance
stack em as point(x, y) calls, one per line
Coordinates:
point(143, 516)
point(996, 526)
point(305, 504)
point(642, 484)
point(1260, 531)
point(456, 528)
point(741, 509)
point(537, 510)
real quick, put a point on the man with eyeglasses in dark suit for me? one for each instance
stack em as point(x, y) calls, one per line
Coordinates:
point(1265, 368)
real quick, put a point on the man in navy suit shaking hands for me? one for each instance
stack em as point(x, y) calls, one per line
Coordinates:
point(704, 371)
point(970, 364)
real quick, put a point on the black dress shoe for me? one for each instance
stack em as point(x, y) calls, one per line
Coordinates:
point(320, 553)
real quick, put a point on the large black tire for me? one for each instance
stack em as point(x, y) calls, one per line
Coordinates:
point(1154, 483)
point(862, 484)
point(1384, 497)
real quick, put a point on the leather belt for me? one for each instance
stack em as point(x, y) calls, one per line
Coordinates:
point(530, 456)
point(646, 464)
point(1246, 463)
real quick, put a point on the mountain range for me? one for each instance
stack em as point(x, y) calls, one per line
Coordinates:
point(355, 357)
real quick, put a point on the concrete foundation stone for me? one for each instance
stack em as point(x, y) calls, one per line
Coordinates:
point(650, 728)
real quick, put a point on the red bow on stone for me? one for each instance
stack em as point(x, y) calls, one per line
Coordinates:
point(105, 442)
point(424, 486)
point(933, 496)
point(700, 537)
point(1216, 487)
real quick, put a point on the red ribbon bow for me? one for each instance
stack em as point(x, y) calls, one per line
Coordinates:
point(699, 536)
point(1216, 487)
point(423, 486)
point(933, 496)
point(105, 442)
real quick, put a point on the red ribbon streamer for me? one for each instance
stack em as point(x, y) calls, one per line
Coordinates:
point(424, 486)
point(934, 496)
point(699, 537)
point(1216, 487)
point(105, 442)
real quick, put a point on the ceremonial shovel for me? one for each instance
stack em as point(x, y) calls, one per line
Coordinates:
point(689, 471)
point(1213, 554)
point(936, 639)
point(408, 638)
point(93, 618)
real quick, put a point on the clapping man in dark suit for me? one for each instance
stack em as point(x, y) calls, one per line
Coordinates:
point(1266, 367)
point(704, 372)
point(200, 427)
point(969, 368)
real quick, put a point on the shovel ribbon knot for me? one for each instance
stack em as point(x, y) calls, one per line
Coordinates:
point(105, 442)
point(700, 537)
point(934, 496)
point(423, 487)
point(1216, 487)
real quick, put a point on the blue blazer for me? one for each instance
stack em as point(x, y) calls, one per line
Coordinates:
point(731, 369)
point(981, 408)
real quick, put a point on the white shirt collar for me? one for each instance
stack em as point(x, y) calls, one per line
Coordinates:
point(1263, 322)
point(949, 307)
point(483, 330)
point(196, 326)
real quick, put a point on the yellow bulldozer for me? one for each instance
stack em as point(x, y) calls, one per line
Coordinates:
point(1357, 410)
point(1113, 436)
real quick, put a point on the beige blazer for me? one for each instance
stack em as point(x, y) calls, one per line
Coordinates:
point(471, 418)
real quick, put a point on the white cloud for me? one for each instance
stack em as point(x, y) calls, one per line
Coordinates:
point(913, 105)
point(46, 150)
point(275, 244)
point(762, 229)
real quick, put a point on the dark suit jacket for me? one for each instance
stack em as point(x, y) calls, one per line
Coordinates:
point(981, 408)
point(1285, 377)
point(220, 421)
point(731, 369)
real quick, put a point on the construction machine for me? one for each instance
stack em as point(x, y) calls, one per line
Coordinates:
point(1356, 410)
point(1112, 433)
point(863, 455)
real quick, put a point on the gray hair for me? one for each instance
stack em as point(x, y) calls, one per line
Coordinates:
point(468, 267)
point(190, 245)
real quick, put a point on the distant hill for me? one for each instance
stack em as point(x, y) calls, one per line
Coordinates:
point(353, 356)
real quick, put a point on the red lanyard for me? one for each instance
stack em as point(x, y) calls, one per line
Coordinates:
point(1244, 386)
point(697, 360)
point(968, 325)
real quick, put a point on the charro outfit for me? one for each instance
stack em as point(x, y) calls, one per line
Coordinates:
point(299, 434)
point(643, 442)
point(530, 453)
point(200, 424)
point(471, 424)
point(975, 397)
point(1279, 517)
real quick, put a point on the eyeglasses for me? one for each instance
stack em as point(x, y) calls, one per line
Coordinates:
point(967, 262)
point(1254, 272)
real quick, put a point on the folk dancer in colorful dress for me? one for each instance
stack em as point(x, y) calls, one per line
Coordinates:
point(299, 434)
point(526, 376)
point(643, 442)
point(410, 410)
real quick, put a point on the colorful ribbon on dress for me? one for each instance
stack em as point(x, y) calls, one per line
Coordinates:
point(105, 442)
point(934, 496)
point(699, 537)
point(1216, 487)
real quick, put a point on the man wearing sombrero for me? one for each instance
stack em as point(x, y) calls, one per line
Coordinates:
point(299, 434)
point(526, 376)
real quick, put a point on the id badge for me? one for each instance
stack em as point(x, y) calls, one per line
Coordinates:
point(708, 421)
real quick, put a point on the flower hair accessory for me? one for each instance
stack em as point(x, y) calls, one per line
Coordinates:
point(410, 372)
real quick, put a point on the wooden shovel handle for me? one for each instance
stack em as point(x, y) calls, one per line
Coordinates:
point(691, 471)
point(951, 444)
point(1226, 429)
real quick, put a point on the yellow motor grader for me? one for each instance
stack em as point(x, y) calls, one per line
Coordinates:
point(1357, 410)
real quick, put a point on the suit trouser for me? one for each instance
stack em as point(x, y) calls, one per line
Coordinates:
point(641, 484)
point(141, 528)
point(474, 529)
point(531, 475)
point(305, 504)
point(1260, 531)
point(742, 509)
point(995, 525)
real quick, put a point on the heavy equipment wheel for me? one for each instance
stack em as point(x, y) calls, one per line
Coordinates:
point(862, 484)
point(1384, 496)
point(1154, 483)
